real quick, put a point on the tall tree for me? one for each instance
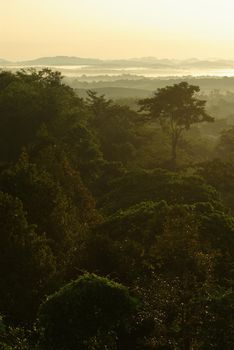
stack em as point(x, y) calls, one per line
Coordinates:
point(176, 107)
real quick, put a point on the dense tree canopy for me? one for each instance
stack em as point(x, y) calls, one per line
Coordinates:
point(92, 213)
point(27, 263)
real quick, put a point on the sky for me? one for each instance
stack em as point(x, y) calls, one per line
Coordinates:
point(117, 28)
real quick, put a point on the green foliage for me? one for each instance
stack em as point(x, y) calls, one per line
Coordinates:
point(135, 187)
point(177, 108)
point(86, 314)
point(30, 100)
point(13, 338)
point(166, 235)
point(124, 240)
point(177, 256)
point(44, 200)
point(27, 265)
point(225, 147)
point(220, 174)
point(179, 294)
point(127, 237)
point(217, 330)
point(114, 126)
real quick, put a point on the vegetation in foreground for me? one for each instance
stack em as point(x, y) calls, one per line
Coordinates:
point(117, 228)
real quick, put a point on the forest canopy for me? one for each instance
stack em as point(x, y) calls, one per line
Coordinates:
point(116, 225)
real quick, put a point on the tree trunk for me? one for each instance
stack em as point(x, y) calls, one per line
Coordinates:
point(174, 143)
point(187, 344)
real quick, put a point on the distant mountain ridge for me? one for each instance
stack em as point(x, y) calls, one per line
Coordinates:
point(4, 62)
point(149, 62)
point(60, 60)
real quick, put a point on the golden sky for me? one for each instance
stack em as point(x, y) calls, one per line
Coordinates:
point(116, 28)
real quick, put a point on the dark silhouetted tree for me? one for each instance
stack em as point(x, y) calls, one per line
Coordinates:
point(176, 108)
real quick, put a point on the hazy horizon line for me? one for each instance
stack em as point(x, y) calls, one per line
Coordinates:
point(117, 58)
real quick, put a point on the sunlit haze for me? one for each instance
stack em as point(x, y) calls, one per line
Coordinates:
point(116, 28)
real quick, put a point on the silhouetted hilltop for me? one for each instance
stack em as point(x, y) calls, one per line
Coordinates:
point(148, 62)
point(60, 60)
point(4, 62)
